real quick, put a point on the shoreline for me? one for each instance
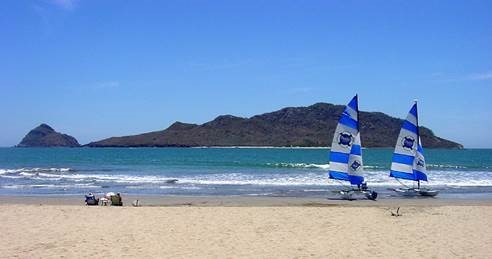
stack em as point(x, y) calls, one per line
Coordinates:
point(245, 201)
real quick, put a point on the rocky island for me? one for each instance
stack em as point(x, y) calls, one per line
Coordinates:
point(46, 136)
point(311, 126)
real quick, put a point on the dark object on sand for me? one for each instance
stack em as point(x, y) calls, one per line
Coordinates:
point(91, 200)
point(372, 195)
point(397, 214)
point(116, 200)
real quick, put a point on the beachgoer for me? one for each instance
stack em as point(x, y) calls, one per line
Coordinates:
point(91, 199)
point(119, 198)
point(116, 200)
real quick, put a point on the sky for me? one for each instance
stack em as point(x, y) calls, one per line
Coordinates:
point(95, 69)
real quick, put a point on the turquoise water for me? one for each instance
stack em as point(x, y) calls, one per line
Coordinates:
point(219, 171)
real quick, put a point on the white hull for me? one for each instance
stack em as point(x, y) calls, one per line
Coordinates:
point(355, 194)
point(412, 192)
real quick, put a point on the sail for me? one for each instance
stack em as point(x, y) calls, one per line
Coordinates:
point(346, 151)
point(408, 159)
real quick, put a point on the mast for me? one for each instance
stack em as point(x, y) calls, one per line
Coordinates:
point(358, 117)
point(358, 126)
point(358, 129)
point(418, 136)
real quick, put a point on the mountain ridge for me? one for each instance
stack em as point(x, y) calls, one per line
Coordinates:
point(310, 126)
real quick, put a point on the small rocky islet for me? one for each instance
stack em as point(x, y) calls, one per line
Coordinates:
point(45, 136)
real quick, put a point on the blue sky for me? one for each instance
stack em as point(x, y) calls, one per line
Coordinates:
point(95, 69)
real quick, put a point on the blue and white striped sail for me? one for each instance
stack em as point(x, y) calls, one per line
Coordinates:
point(346, 152)
point(408, 159)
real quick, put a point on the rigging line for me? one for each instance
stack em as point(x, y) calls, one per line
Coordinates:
point(402, 183)
point(343, 184)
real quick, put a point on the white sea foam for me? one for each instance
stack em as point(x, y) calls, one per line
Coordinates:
point(180, 187)
point(314, 166)
point(374, 178)
point(50, 186)
point(299, 165)
point(446, 166)
point(68, 178)
point(260, 194)
point(33, 170)
point(250, 179)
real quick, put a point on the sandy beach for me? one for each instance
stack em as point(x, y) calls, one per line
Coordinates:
point(242, 227)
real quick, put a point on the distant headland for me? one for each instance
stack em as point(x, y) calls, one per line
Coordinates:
point(46, 136)
point(311, 126)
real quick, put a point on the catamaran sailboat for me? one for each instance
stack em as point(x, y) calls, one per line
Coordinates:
point(408, 159)
point(346, 154)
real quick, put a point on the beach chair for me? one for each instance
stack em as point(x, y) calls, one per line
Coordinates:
point(116, 200)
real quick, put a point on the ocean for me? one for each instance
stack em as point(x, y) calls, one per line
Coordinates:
point(285, 172)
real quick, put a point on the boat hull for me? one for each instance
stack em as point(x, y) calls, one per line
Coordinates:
point(413, 192)
point(355, 194)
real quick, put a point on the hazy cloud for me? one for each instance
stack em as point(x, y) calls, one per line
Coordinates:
point(65, 4)
point(44, 17)
point(299, 90)
point(107, 85)
point(219, 65)
point(442, 77)
point(49, 12)
point(481, 76)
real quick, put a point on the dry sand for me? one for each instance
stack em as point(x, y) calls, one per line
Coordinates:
point(291, 229)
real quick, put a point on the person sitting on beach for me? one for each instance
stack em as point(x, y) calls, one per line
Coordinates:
point(90, 199)
point(116, 200)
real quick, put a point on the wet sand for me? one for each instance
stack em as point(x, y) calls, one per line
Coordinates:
point(250, 201)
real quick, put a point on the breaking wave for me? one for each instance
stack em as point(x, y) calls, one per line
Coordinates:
point(299, 165)
point(374, 167)
point(315, 166)
point(66, 176)
point(34, 170)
